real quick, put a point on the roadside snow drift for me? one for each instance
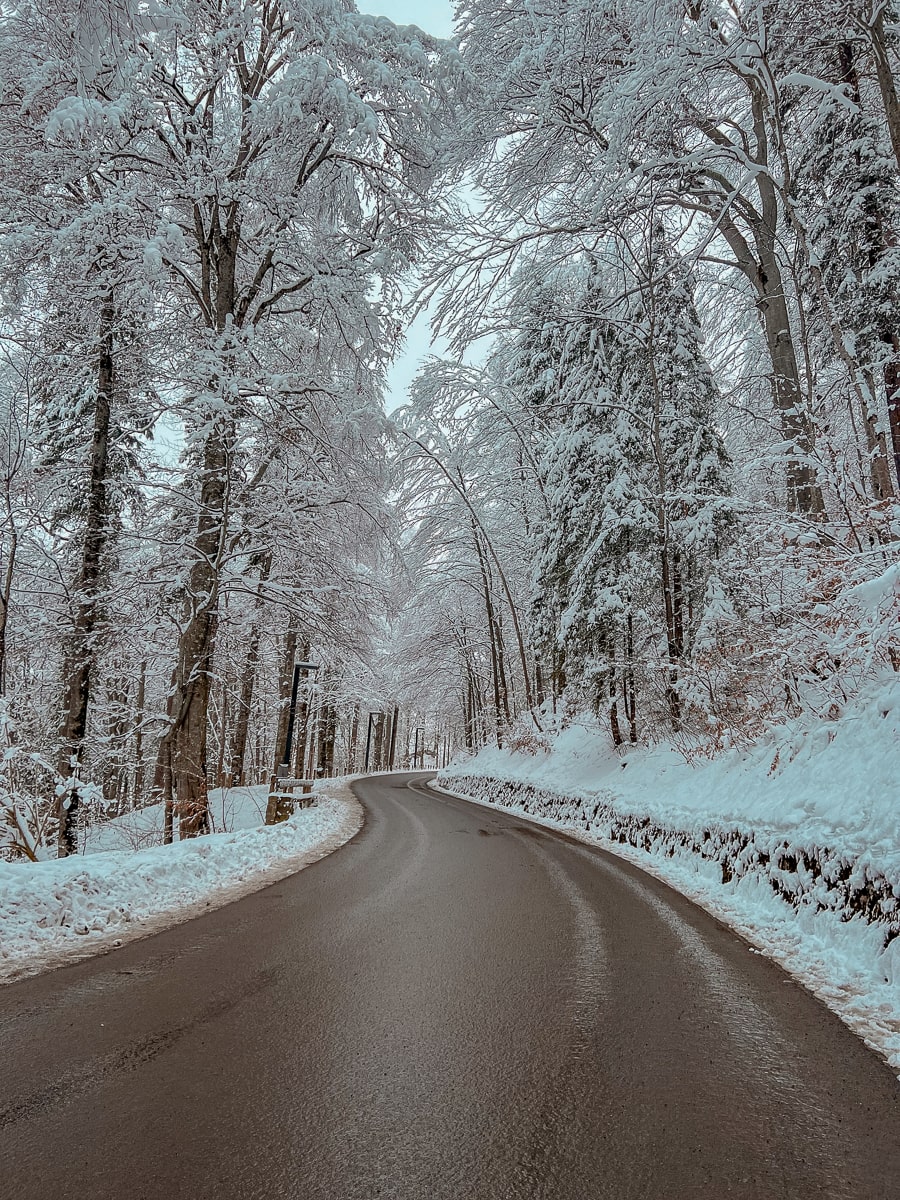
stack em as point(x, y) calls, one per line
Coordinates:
point(62, 910)
point(795, 843)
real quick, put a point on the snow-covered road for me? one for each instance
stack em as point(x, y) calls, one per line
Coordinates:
point(457, 1004)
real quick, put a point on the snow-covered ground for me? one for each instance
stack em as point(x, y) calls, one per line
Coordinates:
point(127, 885)
point(795, 843)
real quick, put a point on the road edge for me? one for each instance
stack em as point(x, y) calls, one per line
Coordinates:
point(878, 1034)
point(51, 957)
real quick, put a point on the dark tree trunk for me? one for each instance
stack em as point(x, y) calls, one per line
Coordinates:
point(763, 271)
point(392, 750)
point(892, 390)
point(115, 775)
point(79, 658)
point(248, 682)
point(672, 593)
point(378, 750)
point(7, 583)
point(614, 723)
point(163, 788)
point(885, 75)
point(876, 444)
point(353, 741)
point(501, 665)
point(219, 775)
point(891, 105)
point(492, 634)
point(630, 691)
point(387, 734)
point(312, 725)
point(803, 492)
point(197, 644)
point(245, 701)
point(327, 734)
point(137, 794)
point(469, 713)
point(196, 649)
point(285, 685)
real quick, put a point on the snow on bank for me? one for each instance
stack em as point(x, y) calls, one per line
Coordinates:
point(59, 911)
point(795, 844)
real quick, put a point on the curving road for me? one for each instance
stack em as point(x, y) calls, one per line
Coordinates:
point(455, 1006)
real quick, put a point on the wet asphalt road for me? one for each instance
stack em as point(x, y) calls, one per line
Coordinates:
point(455, 1006)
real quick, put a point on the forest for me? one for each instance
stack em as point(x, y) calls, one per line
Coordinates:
point(648, 480)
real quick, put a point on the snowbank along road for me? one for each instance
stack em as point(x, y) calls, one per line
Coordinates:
point(457, 1005)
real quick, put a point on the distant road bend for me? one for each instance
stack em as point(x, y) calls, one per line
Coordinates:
point(457, 1005)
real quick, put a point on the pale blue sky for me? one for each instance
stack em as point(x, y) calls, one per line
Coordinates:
point(434, 16)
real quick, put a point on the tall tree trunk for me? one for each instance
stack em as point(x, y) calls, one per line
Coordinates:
point(501, 664)
point(670, 584)
point(387, 735)
point(492, 633)
point(137, 799)
point(248, 681)
point(538, 682)
point(163, 788)
point(168, 791)
point(469, 712)
point(197, 643)
point(629, 688)
point(219, 775)
point(196, 649)
point(78, 663)
point(672, 594)
point(803, 493)
point(285, 683)
point(392, 749)
point(115, 775)
point(378, 751)
point(892, 390)
point(309, 770)
point(891, 106)
point(353, 741)
point(885, 76)
point(614, 717)
point(327, 735)
point(274, 812)
point(763, 271)
point(8, 575)
point(876, 444)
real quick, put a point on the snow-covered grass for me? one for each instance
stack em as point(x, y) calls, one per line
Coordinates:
point(230, 809)
point(795, 843)
point(127, 885)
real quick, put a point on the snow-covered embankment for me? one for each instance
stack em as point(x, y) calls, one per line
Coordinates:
point(795, 844)
point(58, 911)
